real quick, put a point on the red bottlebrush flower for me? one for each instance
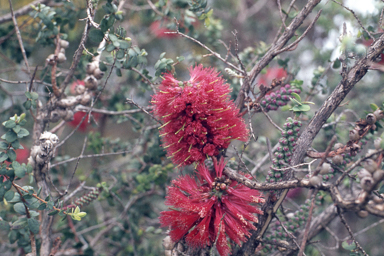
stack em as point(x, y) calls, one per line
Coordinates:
point(210, 209)
point(199, 118)
point(272, 73)
point(159, 31)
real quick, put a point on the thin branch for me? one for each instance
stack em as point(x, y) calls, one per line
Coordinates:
point(177, 32)
point(350, 231)
point(308, 225)
point(90, 156)
point(270, 120)
point(22, 11)
point(293, 45)
point(19, 37)
point(358, 20)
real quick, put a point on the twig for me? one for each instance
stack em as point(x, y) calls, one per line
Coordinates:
point(177, 32)
point(288, 233)
point(90, 156)
point(19, 37)
point(358, 20)
point(270, 120)
point(23, 10)
point(350, 231)
point(77, 163)
point(308, 225)
point(292, 46)
point(281, 14)
point(131, 101)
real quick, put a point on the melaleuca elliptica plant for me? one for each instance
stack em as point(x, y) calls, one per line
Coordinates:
point(199, 122)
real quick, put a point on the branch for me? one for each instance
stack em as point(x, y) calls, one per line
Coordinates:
point(275, 48)
point(22, 11)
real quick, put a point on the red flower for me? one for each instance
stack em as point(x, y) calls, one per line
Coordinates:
point(159, 31)
point(199, 118)
point(210, 209)
point(272, 73)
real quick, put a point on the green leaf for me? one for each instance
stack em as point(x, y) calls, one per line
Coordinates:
point(27, 104)
point(34, 95)
point(53, 213)
point(113, 38)
point(110, 47)
point(42, 206)
point(3, 156)
point(22, 133)
point(4, 226)
point(19, 170)
point(297, 96)
point(3, 145)
point(28, 95)
point(9, 195)
point(381, 190)
point(12, 236)
point(120, 54)
point(9, 136)
point(96, 36)
point(336, 63)
point(373, 106)
point(9, 124)
point(11, 154)
point(149, 229)
point(349, 245)
point(124, 44)
point(33, 225)
point(19, 208)
point(118, 72)
point(162, 55)
point(17, 128)
point(304, 108)
point(102, 66)
point(16, 145)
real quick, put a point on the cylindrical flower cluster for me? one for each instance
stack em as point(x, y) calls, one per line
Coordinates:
point(199, 117)
point(285, 150)
point(278, 98)
point(207, 210)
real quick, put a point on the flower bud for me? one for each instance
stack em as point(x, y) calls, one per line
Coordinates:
point(362, 214)
point(91, 67)
point(370, 165)
point(366, 183)
point(51, 59)
point(337, 159)
point(64, 43)
point(315, 181)
point(98, 73)
point(79, 89)
point(379, 114)
point(61, 57)
point(378, 175)
point(371, 151)
point(90, 82)
point(363, 173)
point(325, 168)
point(377, 143)
point(371, 119)
point(354, 135)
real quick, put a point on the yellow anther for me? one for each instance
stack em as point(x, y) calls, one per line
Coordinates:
point(164, 124)
point(214, 81)
point(180, 139)
point(169, 145)
point(222, 127)
point(189, 150)
point(182, 128)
